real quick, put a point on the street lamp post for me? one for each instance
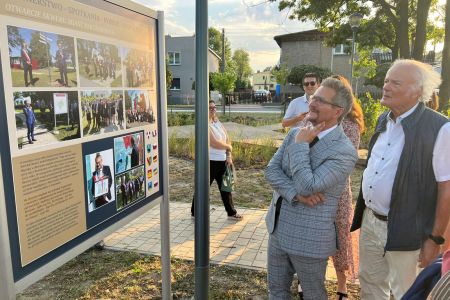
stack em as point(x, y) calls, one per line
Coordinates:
point(354, 21)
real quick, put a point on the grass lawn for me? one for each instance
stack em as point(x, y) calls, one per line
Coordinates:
point(42, 74)
point(250, 119)
point(127, 275)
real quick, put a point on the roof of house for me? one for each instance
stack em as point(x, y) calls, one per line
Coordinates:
point(193, 37)
point(308, 35)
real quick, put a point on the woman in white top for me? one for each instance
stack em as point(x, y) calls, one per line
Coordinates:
point(219, 157)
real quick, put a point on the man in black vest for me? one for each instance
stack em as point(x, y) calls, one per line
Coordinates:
point(404, 203)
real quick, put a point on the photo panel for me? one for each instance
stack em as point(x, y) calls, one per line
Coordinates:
point(139, 68)
point(130, 187)
point(100, 64)
point(41, 59)
point(100, 179)
point(46, 117)
point(102, 111)
point(152, 161)
point(140, 108)
point(128, 152)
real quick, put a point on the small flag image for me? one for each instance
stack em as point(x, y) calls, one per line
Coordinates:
point(155, 146)
point(155, 171)
point(149, 148)
point(155, 184)
point(150, 185)
point(155, 158)
point(149, 160)
point(154, 133)
point(149, 174)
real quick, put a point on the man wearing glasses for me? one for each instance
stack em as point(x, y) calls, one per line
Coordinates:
point(298, 107)
point(308, 174)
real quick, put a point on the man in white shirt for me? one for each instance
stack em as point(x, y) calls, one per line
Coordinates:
point(298, 107)
point(404, 203)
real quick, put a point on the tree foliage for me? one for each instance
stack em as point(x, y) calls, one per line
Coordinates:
point(215, 43)
point(14, 38)
point(281, 74)
point(169, 75)
point(223, 82)
point(298, 72)
point(241, 60)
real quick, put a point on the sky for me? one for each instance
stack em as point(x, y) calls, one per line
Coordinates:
point(249, 24)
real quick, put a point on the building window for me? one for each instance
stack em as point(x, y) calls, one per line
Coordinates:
point(341, 49)
point(174, 58)
point(175, 84)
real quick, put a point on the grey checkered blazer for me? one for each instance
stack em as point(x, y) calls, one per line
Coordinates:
point(297, 169)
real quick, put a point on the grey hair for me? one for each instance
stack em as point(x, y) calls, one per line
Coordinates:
point(343, 97)
point(427, 79)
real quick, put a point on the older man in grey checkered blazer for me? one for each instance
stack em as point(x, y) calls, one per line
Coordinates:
point(308, 174)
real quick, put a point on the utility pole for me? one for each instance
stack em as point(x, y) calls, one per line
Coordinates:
point(222, 69)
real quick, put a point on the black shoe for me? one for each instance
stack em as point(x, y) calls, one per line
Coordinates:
point(30, 142)
point(100, 245)
point(34, 139)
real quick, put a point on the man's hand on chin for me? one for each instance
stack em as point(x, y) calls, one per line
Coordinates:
point(428, 253)
point(308, 133)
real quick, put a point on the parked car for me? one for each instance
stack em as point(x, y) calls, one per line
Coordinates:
point(261, 96)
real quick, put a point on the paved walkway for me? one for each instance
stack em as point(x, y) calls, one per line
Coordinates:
point(237, 243)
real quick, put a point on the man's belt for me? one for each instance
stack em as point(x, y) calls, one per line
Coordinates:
point(378, 216)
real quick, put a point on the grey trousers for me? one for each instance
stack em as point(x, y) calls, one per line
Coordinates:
point(282, 266)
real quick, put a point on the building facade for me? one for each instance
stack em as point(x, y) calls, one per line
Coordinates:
point(263, 81)
point(180, 53)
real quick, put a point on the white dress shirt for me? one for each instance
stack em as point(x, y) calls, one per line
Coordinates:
point(297, 106)
point(378, 177)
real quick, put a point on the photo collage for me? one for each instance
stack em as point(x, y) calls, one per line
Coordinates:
point(67, 87)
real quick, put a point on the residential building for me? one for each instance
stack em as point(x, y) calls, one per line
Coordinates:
point(180, 53)
point(308, 48)
point(263, 81)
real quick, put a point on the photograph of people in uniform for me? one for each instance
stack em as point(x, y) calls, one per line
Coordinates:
point(100, 64)
point(130, 187)
point(44, 117)
point(102, 111)
point(41, 59)
point(99, 179)
point(139, 68)
point(140, 108)
point(128, 152)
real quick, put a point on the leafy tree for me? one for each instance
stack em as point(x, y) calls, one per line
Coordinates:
point(215, 43)
point(243, 70)
point(14, 38)
point(224, 82)
point(169, 75)
point(444, 92)
point(298, 72)
point(380, 73)
point(39, 51)
point(281, 74)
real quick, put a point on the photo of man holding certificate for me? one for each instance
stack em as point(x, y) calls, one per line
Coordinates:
point(102, 180)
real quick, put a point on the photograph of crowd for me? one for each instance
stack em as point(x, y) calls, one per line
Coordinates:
point(99, 179)
point(100, 64)
point(139, 68)
point(130, 187)
point(128, 152)
point(140, 108)
point(41, 59)
point(102, 111)
point(44, 117)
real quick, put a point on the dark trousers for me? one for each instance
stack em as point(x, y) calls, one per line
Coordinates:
point(63, 75)
point(30, 132)
point(216, 171)
point(27, 71)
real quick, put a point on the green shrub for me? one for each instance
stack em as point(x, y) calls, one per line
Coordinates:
point(372, 109)
point(298, 72)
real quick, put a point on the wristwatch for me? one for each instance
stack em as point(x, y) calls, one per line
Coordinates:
point(439, 240)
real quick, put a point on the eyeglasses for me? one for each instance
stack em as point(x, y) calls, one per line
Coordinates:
point(211, 108)
point(308, 83)
point(322, 101)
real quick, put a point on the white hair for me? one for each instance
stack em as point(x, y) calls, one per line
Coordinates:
point(427, 79)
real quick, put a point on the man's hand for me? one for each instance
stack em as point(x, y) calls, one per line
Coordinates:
point(308, 133)
point(428, 253)
point(311, 200)
point(301, 116)
point(229, 161)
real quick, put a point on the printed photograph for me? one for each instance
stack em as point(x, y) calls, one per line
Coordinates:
point(140, 107)
point(130, 187)
point(102, 111)
point(100, 64)
point(139, 68)
point(46, 117)
point(41, 59)
point(128, 152)
point(99, 179)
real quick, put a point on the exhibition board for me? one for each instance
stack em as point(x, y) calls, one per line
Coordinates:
point(83, 118)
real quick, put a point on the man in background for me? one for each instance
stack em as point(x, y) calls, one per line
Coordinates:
point(30, 120)
point(298, 107)
point(26, 64)
point(101, 173)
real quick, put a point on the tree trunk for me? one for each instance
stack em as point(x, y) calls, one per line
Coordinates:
point(402, 32)
point(444, 92)
point(423, 7)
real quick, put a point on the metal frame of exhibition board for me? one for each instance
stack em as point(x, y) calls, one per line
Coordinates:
point(8, 286)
